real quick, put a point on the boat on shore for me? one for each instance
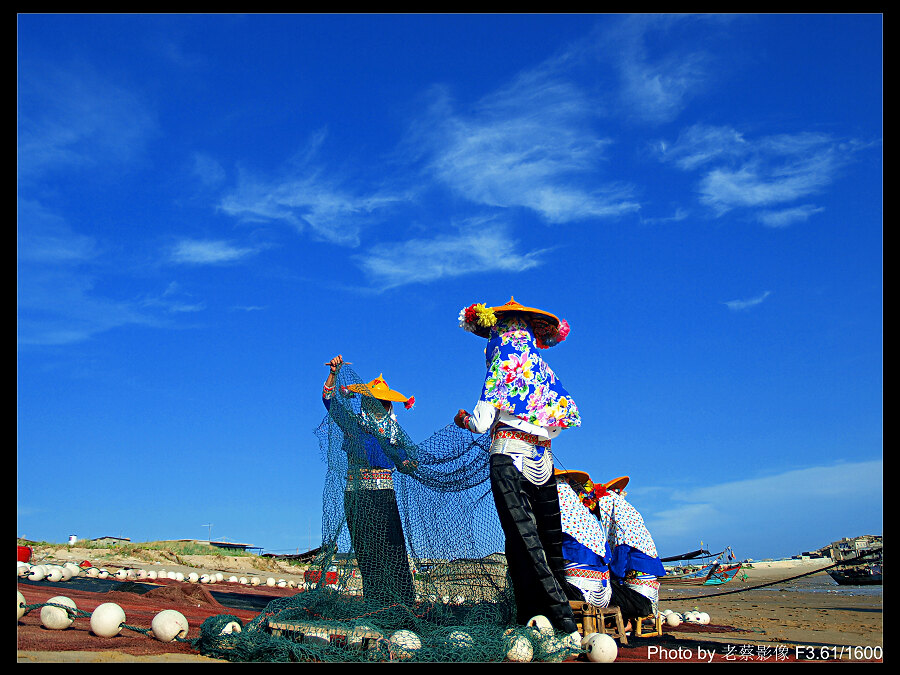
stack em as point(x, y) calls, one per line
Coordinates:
point(858, 575)
point(712, 572)
point(711, 575)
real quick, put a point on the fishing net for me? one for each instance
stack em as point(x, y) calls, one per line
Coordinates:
point(411, 564)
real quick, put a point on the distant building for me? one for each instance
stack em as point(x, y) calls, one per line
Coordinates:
point(225, 545)
point(111, 541)
point(851, 547)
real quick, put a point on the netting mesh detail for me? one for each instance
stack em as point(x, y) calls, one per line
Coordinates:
point(411, 565)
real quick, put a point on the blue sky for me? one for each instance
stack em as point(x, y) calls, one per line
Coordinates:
point(209, 207)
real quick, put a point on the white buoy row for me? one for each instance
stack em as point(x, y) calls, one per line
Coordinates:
point(676, 619)
point(56, 573)
point(47, 572)
point(108, 619)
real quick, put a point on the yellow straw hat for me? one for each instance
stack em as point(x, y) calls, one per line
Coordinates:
point(617, 483)
point(581, 477)
point(379, 389)
point(478, 319)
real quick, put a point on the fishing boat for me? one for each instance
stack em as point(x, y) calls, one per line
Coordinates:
point(858, 575)
point(712, 573)
point(866, 569)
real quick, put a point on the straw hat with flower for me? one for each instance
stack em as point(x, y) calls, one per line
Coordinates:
point(378, 388)
point(549, 330)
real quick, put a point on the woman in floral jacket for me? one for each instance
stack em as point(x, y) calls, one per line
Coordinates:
point(524, 406)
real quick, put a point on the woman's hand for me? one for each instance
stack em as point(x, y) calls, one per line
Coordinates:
point(335, 365)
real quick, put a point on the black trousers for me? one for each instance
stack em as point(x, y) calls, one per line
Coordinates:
point(376, 534)
point(530, 518)
point(632, 603)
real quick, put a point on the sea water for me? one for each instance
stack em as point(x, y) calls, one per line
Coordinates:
point(816, 583)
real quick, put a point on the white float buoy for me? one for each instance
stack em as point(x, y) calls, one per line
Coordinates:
point(243, 580)
point(600, 648)
point(193, 577)
point(219, 576)
point(152, 574)
point(57, 618)
point(54, 574)
point(20, 605)
point(103, 573)
point(542, 624)
point(122, 574)
point(93, 572)
point(179, 576)
point(169, 625)
point(270, 581)
point(405, 642)
point(673, 620)
point(460, 639)
point(232, 579)
point(230, 627)
point(518, 648)
point(254, 581)
point(37, 572)
point(704, 618)
point(107, 620)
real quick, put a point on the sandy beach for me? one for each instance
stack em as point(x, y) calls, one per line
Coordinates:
point(810, 617)
point(808, 612)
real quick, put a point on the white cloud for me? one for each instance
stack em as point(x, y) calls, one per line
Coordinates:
point(208, 252)
point(45, 237)
point(332, 212)
point(786, 217)
point(531, 144)
point(738, 305)
point(804, 501)
point(701, 144)
point(742, 173)
point(207, 170)
point(479, 246)
point(653, 90)
point(72, 117)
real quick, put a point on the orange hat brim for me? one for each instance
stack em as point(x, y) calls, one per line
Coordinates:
point(379, 389)
point(513, 306)
point(617, 483)
point(577, 476)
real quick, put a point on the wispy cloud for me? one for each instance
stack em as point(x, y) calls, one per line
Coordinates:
point(753, 174)
point(786, 217)
point(679, 215)
point(74, 118)
point(207, 170)
point(306, 197)
point(764, 506)
point(654, 89)
point(45, 237)
point(531, 144)
point(208, 252)
point(479, 246)
point(738, 305)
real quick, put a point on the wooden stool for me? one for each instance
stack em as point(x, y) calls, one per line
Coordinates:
point(593, 619)
point(648, 626)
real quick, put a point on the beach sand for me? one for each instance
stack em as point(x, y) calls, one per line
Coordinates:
point(797, 620)
point(810, 612)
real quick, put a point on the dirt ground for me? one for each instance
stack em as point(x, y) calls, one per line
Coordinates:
point(803, 616)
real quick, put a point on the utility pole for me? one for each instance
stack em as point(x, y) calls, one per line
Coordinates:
point(209, 536)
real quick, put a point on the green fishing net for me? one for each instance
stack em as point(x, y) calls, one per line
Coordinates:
point(411, 565)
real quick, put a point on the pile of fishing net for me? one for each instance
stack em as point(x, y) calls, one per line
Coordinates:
point(410, 573)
